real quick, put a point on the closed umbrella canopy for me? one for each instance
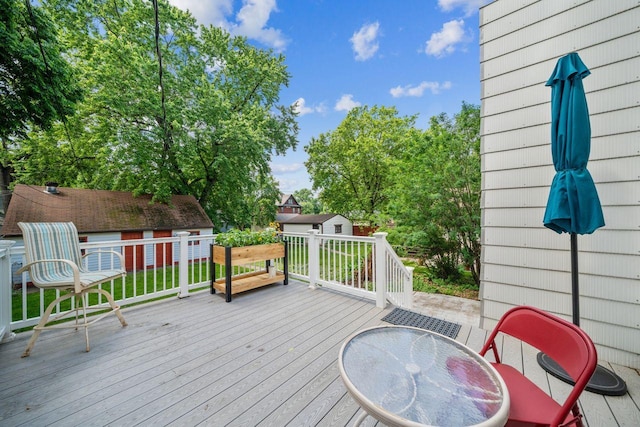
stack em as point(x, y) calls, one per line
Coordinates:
point(573, 205)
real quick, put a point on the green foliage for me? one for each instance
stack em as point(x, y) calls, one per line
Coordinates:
point(236, 238)
point(438, 191)
point(425, 280)
point(184, 109)
point(310, 204)
point(352, 165)
point(37, 85)
point(429, 247)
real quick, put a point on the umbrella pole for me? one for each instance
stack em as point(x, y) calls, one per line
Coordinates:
point(575, 288)
point(603, 380)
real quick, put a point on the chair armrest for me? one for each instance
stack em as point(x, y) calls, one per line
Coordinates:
point(74, 268)
point(73, 265)
point(118, 254)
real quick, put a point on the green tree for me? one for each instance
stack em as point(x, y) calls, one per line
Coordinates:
point(351, 165)
point(311, 205)
point(438, 193)
point(37, 85)
point(171, 108)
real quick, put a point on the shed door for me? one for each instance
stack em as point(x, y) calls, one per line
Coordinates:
point(164, 251)
point(133, 255)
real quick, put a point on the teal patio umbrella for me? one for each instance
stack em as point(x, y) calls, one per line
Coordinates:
point(573, 206)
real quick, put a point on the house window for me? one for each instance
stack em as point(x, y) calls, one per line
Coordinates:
point(338, 228)
point(316, 226)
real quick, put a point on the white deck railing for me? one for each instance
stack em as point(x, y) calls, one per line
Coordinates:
point(5, 290)
point(362, 266)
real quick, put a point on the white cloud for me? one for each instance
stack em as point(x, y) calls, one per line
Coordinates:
point(250, 21)
point(445, 41)
point(302, 108)
point(346, 103)
point(212, 12)
point(469, 6)
point(418, 91)
point(289, 186)
point(364, 41)
point(280, 168)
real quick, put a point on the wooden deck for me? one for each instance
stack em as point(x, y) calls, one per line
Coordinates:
point(267, 358)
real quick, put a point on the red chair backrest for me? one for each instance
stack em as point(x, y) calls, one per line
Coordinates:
point(563, 341)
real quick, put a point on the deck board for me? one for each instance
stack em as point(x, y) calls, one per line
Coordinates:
point(267, 358)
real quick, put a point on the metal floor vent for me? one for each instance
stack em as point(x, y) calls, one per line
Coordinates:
point(399, 316)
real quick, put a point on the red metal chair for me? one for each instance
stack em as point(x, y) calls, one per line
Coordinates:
point(565, 343)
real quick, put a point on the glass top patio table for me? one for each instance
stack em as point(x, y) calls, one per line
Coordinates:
point(407, 376)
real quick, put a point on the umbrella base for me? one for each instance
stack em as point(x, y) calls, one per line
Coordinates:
point(603, 380)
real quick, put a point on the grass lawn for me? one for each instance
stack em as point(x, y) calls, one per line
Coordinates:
point(141, 283)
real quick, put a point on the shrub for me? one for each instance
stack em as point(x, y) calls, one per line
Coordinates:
point(235, 238)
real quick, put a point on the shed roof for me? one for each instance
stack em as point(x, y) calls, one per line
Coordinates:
point(95, 211)
point(308, 219)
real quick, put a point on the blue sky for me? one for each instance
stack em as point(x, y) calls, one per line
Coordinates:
point(421, 56)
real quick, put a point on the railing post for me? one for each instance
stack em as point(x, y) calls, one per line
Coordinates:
point(408, 289)
point(5, 291)
point(183, 263)
point(381, 269)
point(314, 257)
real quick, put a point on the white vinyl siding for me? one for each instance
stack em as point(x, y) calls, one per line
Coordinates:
point(297, 228)
point(329, 226)
point(522, 261)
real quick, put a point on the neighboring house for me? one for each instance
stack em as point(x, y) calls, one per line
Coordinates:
point(289, 205)
point(101, 215)
point(522, 261)
point(325, 223)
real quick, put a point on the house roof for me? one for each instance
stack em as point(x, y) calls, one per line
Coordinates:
point(95, 211)
point(308, 219)
point(284, 198)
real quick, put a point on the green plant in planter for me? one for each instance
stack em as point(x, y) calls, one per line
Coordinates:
point(235, 238)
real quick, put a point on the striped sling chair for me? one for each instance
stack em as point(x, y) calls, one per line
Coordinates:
point(54, 261)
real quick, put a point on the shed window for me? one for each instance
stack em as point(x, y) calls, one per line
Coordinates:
point(338, 229)
point(194, 233)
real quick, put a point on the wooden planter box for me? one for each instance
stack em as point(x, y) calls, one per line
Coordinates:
point(230, 256)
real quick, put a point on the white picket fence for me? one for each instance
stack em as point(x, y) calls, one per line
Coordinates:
point(362, 266)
